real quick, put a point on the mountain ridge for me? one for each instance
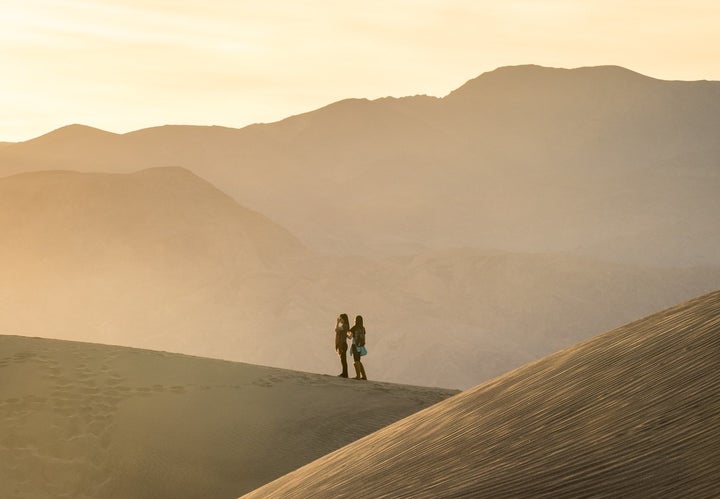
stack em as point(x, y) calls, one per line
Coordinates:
point(620, 181)
point(502, 72)
point(520, 70)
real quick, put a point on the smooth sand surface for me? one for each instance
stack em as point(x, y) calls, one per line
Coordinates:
point(80, 420)
point(631, 413)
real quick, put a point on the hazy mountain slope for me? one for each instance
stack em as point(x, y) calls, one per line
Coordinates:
point(143, 207)
point(160, 259)
point(601, 161)
point(88, 421)
point(631, 412)
point(456, 318)
point(133, 259)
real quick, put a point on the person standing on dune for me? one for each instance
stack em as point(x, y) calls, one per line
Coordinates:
point(341, 329)
point(357, 333)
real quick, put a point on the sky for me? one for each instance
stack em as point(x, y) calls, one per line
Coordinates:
point(122, 65)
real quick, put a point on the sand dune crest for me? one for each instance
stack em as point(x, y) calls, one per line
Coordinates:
point(81, 420)
point(633, 412)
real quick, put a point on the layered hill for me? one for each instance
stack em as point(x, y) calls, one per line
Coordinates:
point(600, 161)
point(156, 207)
point(456, 318)
point(161, 259)
point(633, 412)
point(86, 421)
point(524, 212)
point(131, 258)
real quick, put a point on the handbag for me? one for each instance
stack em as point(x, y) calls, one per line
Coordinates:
point(362, 350)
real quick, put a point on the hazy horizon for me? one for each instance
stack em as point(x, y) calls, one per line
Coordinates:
point(454, 220)
point(520, 199)
point(123, 66)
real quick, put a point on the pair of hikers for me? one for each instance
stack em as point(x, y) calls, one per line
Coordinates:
point(343, 332)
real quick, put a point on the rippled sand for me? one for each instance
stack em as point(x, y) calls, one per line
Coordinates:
point(634, 412)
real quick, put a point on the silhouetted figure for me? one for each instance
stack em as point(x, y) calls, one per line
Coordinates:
point(341, 332)
point(357, 333)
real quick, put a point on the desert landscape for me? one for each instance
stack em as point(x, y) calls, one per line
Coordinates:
point(520, 199)
point(494, 164)
point(465, 259)
point(630, 413)
point(83, 420)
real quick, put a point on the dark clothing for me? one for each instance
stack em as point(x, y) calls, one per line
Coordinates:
point(357, 333)
point(341, 330)
point(341, 347)
point(355, 353)
point(343, 362)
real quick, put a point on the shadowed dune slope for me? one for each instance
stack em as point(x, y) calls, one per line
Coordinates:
point(633, 412)
point(84, 420)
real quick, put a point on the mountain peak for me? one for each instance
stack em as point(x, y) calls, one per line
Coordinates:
point(532, 75)
point(73, 132)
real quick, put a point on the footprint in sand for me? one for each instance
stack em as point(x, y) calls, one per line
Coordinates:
point(143, 391)
point(115, 380)
point(23, 356)
point(263, 382)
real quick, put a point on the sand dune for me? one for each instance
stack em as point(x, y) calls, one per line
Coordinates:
point(633, 412)
point(82, 420)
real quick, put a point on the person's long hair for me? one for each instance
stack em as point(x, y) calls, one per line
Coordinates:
point(358, 320)
point(344, 317)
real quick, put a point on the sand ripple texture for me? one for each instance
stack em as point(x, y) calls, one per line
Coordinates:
point(634, 412)
point(79, 420)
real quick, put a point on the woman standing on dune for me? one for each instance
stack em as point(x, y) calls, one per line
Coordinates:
point(341, 331)
point(357, 333)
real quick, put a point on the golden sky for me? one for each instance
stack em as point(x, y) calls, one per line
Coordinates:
point(121, 65)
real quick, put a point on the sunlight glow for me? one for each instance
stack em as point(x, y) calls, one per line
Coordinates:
point(123, 65)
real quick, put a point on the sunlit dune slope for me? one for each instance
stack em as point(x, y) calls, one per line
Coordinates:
point(84, 420)
point(633, 412)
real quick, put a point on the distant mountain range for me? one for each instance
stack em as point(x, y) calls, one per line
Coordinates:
point(600, 161)
point(523, 212)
